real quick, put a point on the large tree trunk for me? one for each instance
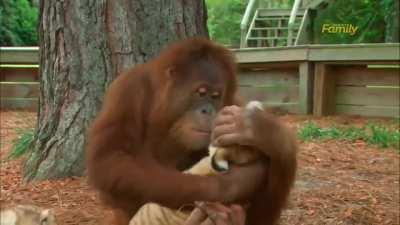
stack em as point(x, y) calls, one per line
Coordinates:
point(84, 44)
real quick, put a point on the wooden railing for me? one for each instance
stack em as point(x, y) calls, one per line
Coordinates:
point(301, 36)
point(251, 5)
point(19, 86)
point(357, 79)
point(293, 14)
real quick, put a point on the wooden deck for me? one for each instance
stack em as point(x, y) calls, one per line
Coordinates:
point(360, 79)
point(19, 86)
point(19, 55)
point(320, 53)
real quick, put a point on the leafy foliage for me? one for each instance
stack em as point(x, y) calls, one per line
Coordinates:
point(375, 20)
point(370, 16)
point(224, 17)
point(18, 20)
point(383, 137)
point(390, 10)
point(22, 143)
point(373, 134)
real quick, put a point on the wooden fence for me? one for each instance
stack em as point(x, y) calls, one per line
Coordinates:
point(19, 87)
point(360, 79)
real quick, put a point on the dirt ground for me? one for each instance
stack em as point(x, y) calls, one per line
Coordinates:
point(338, 182)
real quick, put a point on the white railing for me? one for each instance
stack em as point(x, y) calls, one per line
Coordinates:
point(292, 19)
point(245, 22)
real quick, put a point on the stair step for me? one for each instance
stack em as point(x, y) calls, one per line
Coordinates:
point(274, 28)
point(270, 27)
point(278, 18)
point(267, 38)
point(273, 12)
point(272, 18)
point(278, 12)
point(315, 3)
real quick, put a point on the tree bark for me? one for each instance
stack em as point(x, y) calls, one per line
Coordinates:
point(84, 44)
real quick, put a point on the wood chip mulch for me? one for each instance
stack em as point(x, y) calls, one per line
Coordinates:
point(338, 182)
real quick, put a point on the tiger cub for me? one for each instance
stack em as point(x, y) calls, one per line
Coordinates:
point(217, 161)
point(27, 215)
point(238, 155)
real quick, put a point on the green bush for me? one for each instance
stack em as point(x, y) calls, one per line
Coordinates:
point(21, 143)
point(372, 134)
point(224, 17)
point(370, 16)
point(383, 137)
point(18, 21)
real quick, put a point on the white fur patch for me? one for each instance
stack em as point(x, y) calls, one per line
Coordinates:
point(45, 214)
point(212, 150)
point(253, 105)
point(8, 217)
point(223, 164)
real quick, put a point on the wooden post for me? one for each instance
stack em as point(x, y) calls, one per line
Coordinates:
point(306, 75)
point(303, 35)
point(259, 41)
point(243, 42)
point(324, 91)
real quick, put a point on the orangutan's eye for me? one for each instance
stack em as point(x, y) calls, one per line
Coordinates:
point(202, 91)
point(215, 95)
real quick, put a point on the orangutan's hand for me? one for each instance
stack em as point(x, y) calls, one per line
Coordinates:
point(217, 214)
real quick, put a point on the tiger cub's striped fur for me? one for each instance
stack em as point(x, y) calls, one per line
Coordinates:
point(27, 215)
point(155, 214)
point(217, 161)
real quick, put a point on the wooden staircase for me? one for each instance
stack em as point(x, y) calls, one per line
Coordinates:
point(266, 26)
point(270, 27)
